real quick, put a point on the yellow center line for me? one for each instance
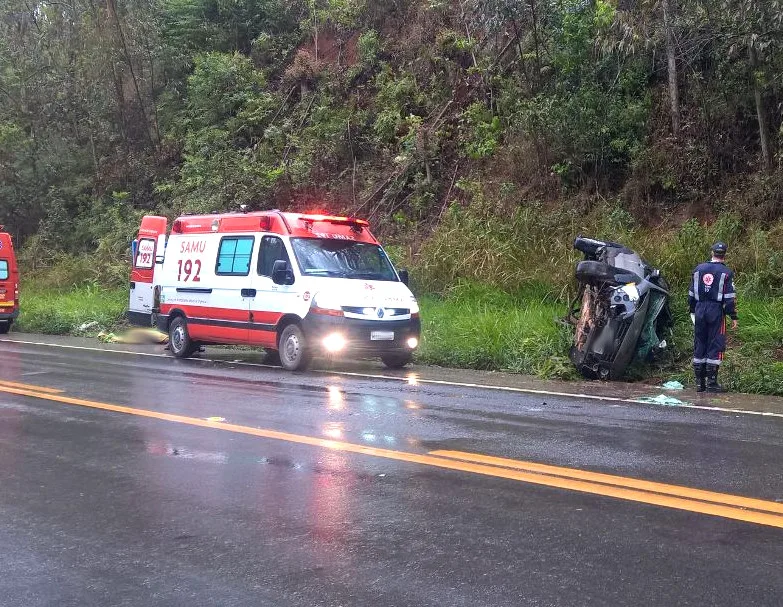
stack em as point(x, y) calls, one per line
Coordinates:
point(633, 495)
point(620, 481)
point(13, 384)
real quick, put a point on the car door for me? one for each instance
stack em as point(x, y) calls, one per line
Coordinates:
point(270, 301)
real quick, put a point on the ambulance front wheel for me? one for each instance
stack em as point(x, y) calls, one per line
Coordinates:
point(292, 346)
point(180, 344)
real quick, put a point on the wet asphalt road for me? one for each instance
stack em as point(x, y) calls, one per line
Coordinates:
point(104, 508)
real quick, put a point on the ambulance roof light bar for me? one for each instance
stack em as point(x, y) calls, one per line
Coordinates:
point(352, 221)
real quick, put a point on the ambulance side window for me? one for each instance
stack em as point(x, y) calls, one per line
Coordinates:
point(234, 256)
point(272, 250)
point(3, 269)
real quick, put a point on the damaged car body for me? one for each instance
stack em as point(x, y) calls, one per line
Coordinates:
point(621, 311)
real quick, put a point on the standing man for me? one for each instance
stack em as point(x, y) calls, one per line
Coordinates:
point(712, 298)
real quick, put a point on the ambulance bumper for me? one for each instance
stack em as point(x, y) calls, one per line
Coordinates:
point(139, 319)
point(7, 314)
point(363, 337)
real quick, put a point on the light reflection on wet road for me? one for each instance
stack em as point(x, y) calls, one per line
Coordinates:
point(101, 508)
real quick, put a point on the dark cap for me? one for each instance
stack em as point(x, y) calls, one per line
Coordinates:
point(719, 249)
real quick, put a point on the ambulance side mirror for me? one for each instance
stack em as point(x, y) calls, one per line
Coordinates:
point(404, 277)
point(282, 274)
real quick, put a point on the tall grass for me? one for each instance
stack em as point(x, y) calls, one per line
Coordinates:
point(480, 327)
point(62, 312)
point(535, 244)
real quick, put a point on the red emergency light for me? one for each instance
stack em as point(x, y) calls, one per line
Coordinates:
point(351, 221)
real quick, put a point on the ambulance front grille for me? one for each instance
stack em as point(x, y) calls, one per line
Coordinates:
point(371, 312)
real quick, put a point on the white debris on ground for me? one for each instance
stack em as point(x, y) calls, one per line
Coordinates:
point(673, 385)
point(661, 399)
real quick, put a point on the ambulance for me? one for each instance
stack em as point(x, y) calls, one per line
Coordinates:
point(297, 285)
point(9, 283)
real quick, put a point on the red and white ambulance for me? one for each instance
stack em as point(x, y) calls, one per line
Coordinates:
point(9, 283)
point(299, 285)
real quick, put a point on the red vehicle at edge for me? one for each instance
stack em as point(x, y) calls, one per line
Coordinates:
point(9, 283)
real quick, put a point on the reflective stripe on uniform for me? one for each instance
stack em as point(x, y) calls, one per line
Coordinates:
point(713, 361)
point(730, 296)
point(699, 361)
point(721, 285)
point(696, 285)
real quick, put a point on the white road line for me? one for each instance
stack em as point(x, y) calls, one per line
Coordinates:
point(420, 380)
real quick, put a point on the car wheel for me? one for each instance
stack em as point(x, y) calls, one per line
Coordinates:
point(5, 327)
point(593, 272)
point(396, 361)
point(292, 347)
point(180, 344)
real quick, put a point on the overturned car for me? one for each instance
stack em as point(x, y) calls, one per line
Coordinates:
point(621, 312)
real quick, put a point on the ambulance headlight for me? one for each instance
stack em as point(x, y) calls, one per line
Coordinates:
point(334, 342)
point(414, 305)
point(326, 301)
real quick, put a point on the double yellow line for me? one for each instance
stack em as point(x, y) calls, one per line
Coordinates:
point(751, 510)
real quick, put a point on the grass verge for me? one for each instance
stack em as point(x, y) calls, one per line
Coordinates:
point(482, 327)
point(64, 312)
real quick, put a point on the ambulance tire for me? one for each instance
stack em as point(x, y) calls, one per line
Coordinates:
point(180, 344)
point(292, 346)
point(5, 327)
point(396, 361)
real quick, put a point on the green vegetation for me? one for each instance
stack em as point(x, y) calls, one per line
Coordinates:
point(64, 312)
point(478, 136)
point(480, 327)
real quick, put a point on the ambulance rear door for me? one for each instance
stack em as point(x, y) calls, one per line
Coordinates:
point(148, 251)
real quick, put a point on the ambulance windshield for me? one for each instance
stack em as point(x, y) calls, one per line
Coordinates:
point(342, 259)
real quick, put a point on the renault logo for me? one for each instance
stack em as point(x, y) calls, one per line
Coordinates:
point(380, 312)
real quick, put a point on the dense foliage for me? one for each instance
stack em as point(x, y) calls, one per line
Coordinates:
point(451, 115)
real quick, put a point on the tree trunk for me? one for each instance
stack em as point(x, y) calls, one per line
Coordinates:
point(761, 110)
point(671, 60)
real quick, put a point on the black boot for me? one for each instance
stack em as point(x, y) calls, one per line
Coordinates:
point(700, 371)
point(712, 380)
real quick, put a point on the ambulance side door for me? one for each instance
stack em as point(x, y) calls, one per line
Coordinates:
point(271, 301)
point(225, 320)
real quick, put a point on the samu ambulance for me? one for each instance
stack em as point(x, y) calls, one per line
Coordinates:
point(299, 285)
point(9, 283)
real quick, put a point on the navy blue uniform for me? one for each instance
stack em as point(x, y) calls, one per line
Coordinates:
point(712, 297)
